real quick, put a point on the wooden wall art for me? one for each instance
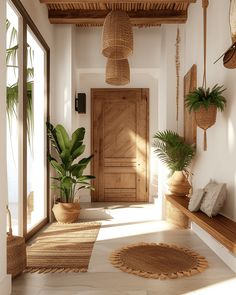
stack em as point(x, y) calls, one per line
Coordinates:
point(190, 126)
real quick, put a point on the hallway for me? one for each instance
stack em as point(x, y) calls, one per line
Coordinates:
point(122, 225)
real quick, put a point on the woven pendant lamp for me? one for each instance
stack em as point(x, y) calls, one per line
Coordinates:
point(117, 72)
point(117, 36)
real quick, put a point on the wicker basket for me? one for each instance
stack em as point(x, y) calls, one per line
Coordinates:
point(16, 252)
point(117, 72)
point(205, 118)
point(66, 212)
point(117, 36)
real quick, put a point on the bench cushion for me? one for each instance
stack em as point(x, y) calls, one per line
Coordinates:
point(214, 198)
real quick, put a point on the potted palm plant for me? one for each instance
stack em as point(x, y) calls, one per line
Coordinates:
point(177, 155)
point(204, 102)
point(70, 177)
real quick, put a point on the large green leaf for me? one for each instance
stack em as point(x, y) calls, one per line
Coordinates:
point(78, 152)
point(59, 169)
point(62, 137)
point(66, 158)
point(85, 177)
point(52, 136)
point(67, 182)
point(77, 139)
point(78, 169)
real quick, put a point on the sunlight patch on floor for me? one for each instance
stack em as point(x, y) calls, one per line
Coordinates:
point(114, 231)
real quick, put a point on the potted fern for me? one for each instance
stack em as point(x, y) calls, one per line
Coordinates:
point(70, 177)
point(177, 155)
point(204, 102)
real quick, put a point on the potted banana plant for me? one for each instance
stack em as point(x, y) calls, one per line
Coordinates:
point(70, 178)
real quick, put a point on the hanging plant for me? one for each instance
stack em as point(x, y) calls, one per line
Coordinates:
point(204, 103)
point(204, 98)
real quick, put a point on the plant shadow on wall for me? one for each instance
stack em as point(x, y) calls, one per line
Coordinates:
point(177, 155)
point(70, 175)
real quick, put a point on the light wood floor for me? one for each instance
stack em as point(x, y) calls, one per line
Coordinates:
point(103, 279)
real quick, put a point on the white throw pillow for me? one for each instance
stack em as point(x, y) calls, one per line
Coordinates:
point(214, 198)
point(196, 200)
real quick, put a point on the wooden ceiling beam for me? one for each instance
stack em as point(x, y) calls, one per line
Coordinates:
point(98, 14)
point(137, 18)
point(140, 22)
point(114, 1)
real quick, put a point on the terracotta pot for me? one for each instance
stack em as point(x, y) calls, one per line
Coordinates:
point(66, 212)
point(178, 184)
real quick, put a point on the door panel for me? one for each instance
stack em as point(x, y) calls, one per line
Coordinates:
point(119, 144)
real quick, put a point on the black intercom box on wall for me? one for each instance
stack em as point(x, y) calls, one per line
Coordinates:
point(80, 103)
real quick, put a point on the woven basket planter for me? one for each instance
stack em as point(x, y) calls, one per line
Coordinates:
point(16, 255)
point(117, 72)
point(205, 118)
point(178, 184)
point(117, 36)
point(16, 251)
point(66, 212)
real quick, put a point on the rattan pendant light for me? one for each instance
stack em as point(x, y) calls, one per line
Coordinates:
point(117, 36)
point(117, 72)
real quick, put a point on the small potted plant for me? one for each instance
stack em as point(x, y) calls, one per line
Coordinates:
point(70, 178)
point(204, 102)
point(177, 155)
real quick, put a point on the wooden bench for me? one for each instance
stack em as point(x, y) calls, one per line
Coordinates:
point(221, 228)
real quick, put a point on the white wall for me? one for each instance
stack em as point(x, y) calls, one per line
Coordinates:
point(63, 78)
point(5, 286)
point(147, 48)
point(218, 162)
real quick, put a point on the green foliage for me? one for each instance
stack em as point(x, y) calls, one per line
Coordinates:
point(201, 97)
point(70, 178)
point(173, 151)
point(12, 90)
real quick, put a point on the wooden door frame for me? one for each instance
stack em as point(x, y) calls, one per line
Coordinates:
point(144, 92)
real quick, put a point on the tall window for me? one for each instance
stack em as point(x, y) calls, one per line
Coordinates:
point(27, 100)
point(36, 161)
point(12, 28)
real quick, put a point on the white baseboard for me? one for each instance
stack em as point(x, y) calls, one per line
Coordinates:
point(224, 254)
point(5, 285)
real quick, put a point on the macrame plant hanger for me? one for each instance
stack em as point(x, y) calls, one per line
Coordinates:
point(205, 4)
point(177, 65)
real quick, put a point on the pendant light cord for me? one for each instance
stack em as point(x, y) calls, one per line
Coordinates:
point(205, 4)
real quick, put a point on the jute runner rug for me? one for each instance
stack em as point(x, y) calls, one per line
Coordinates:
point(63, 248)
point(158, 261)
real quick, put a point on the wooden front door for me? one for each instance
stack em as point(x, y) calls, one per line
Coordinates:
point(120, 145)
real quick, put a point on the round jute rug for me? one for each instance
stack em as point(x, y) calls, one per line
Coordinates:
point(158, 261)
